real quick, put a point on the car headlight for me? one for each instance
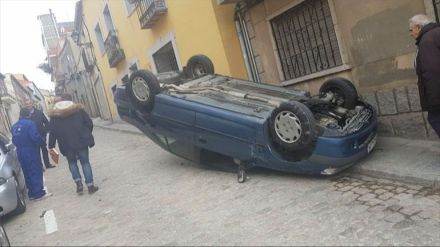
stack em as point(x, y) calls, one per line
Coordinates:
point(2, 181)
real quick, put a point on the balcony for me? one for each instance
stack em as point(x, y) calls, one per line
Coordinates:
point(114, 52)
point(149, 12)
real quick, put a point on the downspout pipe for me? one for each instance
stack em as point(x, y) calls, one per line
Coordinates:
point(245, 42)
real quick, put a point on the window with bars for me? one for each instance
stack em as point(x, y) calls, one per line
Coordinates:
point(165, 59)
point(306, 40)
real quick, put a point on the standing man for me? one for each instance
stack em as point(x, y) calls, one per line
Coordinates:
point(427, 64)
point(72, 128)
point(28, 141)
point(42, 124)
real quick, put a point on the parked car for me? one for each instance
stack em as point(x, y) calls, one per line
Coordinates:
point(209, 118)
point(12, 183)
point(4, 240)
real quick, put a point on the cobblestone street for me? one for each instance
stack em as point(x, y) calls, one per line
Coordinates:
point(150, 197)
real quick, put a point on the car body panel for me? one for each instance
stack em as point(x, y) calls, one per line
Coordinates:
point(10, 169)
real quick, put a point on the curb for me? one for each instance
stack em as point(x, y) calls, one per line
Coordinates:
point(133, 132)
point(391, 176)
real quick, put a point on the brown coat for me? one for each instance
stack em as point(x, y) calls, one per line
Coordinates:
point(71, 127)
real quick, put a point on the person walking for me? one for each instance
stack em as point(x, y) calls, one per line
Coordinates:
point(72, 128)
point(427, 65)
point(42, 124)
point(28, 142)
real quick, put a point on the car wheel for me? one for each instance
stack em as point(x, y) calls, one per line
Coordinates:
point(4, 240)
point(21, 199)
point(293, 126)
point(141, 89)
point(345, 94)
point(199, 65)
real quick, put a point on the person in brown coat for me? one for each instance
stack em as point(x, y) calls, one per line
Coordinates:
point(72, 128)
point(427, 65)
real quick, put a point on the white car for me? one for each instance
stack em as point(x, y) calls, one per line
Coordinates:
point(12, 184)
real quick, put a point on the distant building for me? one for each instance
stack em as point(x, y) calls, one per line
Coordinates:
point(48, 97)
point(15, 97)
point(65, 60)
point(5, 122)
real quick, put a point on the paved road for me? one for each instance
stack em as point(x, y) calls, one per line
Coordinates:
point(150, 197)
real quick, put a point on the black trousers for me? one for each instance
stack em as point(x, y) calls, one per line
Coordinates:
point(45, 155)
point(434, 120)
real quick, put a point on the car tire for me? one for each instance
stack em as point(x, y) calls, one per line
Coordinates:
point(293, 127)
point(4, 240)
point(21, 199)
point(198, 66)
point(141, 89)
point(345, 92)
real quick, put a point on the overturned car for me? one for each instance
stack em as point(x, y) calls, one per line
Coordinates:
point(209, 118)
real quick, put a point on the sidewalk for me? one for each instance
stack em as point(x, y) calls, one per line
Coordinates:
point(403, 160)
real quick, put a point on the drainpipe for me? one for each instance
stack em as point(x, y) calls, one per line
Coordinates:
point(245, 43)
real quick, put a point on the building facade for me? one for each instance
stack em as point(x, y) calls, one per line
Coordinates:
point(5, 122)
point(302, 43)
point(16, 95)
point(89, 69)
point(160, 36)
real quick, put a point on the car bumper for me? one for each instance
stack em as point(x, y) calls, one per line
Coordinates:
point(331, 154)
point(8, 197)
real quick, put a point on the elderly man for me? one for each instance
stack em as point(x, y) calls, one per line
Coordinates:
point(42, 124)
point(427, 64)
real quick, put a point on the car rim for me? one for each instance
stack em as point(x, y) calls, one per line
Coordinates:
point(199, 70)
point(288, 127)
point(140, 89)
point(19, 193)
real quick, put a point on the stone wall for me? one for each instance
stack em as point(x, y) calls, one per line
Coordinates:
point(400, 113)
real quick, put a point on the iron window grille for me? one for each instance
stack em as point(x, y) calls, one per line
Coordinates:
point(165, 59)
point(306, 39)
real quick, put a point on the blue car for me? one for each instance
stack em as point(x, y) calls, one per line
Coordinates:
point(210, 118)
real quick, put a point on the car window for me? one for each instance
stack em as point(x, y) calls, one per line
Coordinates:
point(178, 147)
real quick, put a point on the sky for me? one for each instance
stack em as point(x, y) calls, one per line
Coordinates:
point(21, 47)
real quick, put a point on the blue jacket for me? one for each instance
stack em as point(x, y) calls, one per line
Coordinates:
point(25, 134)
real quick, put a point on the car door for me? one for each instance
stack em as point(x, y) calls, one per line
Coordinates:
point(229, 133)
point(173, 124)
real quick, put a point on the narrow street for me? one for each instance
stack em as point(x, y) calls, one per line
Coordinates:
point(150, 197)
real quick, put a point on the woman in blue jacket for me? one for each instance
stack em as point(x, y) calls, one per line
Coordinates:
point(28, 141)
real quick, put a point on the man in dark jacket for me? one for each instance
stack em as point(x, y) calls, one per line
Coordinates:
point(42, 124)
point(28, 141)
point(427, 64)
point(72, 128)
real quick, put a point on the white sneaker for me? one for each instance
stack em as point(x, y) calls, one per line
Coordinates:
point(43, 197)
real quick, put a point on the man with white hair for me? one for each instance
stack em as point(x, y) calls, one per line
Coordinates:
point(427, 65)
